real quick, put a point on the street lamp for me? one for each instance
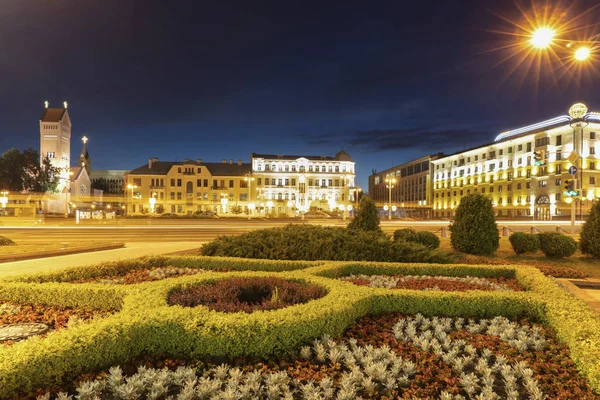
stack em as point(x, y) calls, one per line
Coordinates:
point(131, 187)
point(4, 198)
point(249, 178)
point(542, 37)
point(390, 184)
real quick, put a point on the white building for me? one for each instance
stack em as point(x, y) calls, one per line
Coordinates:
point(508, 173)
point(287, 183)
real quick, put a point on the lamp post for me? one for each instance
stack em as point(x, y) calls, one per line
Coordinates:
point(390, 184)
point(131, 187)
point(249, 178)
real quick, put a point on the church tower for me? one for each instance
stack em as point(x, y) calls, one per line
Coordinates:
point(85, 161)
point(55, 140)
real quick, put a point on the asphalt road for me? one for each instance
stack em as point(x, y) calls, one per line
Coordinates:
point(131, 231)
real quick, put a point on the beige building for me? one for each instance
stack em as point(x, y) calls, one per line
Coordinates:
point(289, 184)
point(411, 188)
point(525, 170)
point(187, 187)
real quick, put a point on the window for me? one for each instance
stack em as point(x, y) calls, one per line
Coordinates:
point(500, 188)
point(492, 154)
point(592, 180)
point(172, 209)
point(592, 135)
point(592, 165)
point(483, 190)
point(528, 173)
point(528, 199)
point(179, 170)
point(510, 150)
point(510, 176)
point(529, 147)
point(542, 141)
point(520, 147)
point(206, 183)
point(557, 197)
point(267, 180)
point(509, 187)
point(179, 182)
point(593, 150)
point(231, 183)
point(178, 195)
point(259, 181)
point(500, 152)
point(172, 195)
point(543, 183)
point(558, 182)
point(180, 208)
point(172, 182)
point(199, 182)
point(528, 185)
point(293, 181)
point(492, 190)
point(215, 184)
point(199, 170)
point(519, 186)
point(222, 183)
point(558, 169)
point(476, 158)
point(558, 156)
point(559, 140)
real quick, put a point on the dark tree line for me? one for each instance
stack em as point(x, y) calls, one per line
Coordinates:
point(21, 172)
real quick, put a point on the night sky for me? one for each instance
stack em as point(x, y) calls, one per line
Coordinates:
point(386, 81)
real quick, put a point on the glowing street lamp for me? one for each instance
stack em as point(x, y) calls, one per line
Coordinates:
point(131, 187)
point(582, 53)
point(542, 37)
point(390, 184)
point(249, 179)
point(4, 198)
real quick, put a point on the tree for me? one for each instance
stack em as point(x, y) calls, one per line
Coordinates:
point(589, 241)
point(22, 172)
point(236, 209)
point(367, 218)
point(473, 229)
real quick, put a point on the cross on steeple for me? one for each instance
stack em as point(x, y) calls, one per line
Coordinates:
point(84, 140)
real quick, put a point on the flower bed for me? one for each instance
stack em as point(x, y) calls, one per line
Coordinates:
point(54, 317)
point(147, 326)
point(246, 294)
point(426, 282)
point(387, 356)
point(145, 275)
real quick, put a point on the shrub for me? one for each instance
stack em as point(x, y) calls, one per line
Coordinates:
point(555, 244)
point(522, 242)
point(425, 238)
point(589, 241)
point(4, 241)
point(309, 242)
point(367, 218)
point(473, 229)
point(247, 294)
point(407, 234)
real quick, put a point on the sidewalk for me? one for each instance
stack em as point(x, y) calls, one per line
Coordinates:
point(587, 290)
point(131, 250)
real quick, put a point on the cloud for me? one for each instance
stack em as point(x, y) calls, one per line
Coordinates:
point(429, 139)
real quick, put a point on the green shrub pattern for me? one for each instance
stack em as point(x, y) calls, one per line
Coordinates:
point(589, 241)
point(147, 325)
point(313, 242)
point(522, 242)
point(557, 245)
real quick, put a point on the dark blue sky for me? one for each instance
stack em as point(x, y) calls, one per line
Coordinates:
point(388, 81)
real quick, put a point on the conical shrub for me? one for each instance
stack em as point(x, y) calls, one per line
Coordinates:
point(473, 229)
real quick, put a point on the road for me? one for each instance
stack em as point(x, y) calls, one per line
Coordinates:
point(198, 231)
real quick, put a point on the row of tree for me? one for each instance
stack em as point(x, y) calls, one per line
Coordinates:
point(22, 172)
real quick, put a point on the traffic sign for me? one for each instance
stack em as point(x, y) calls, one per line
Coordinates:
point(572, 170)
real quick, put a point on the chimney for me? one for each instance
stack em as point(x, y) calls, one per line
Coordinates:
point(150, 160)
point(224, 161)
point(239, 162)
point(199, 161)
point(230, 161)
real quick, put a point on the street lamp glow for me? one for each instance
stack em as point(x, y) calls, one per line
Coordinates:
point(542, 37)
point(582, 53)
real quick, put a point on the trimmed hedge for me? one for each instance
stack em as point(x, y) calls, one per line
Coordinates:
point(589, 241)
point(522, 242)
point(312, 242)
point(555, 244)
point(147, 325)
point(427, 239)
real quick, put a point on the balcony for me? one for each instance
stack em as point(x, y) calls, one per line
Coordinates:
point(157, 186)
point(189, 173)
point(218, 188)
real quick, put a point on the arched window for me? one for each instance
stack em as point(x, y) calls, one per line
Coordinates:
point(543, 199)
point(189, 187)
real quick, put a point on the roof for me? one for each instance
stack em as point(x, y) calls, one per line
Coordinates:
point(216, 169)
point(343, 156)
point(76, 171)
point(290, 157)
point(53, 114)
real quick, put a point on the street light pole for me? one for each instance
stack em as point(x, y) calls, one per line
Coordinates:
point(131, 187)
point(249, 179)
point(390, 184)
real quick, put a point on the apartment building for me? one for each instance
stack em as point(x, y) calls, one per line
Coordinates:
point(411, 188)
point(187, 187)
point(525, 170)
point(294, 184)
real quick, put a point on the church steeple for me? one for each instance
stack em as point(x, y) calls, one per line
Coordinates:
point(85, 161)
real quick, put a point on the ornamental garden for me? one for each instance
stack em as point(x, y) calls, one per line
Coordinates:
point(354, 321)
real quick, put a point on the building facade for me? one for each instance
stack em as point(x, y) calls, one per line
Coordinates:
point(525, 171)
point(270, 184)
point(297, 184)
point(187, 187)
point(112, 181)
point(412, 191)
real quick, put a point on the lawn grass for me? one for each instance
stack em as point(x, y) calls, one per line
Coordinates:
point(505, 254)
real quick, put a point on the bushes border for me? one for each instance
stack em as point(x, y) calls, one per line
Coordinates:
point(147, 325)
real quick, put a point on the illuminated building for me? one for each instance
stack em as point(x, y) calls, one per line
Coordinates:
point(525, 170)
point(290, 184)
point(412, 192)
